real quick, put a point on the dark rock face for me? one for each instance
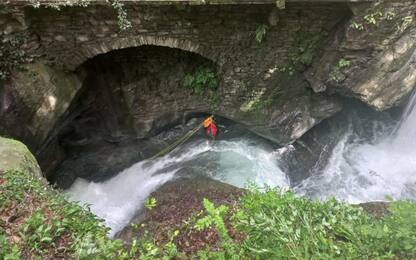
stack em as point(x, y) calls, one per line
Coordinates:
point(32, 101)
point(379, 45)
point(177, 201)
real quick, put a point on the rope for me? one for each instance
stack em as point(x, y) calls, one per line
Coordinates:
point(177, 143)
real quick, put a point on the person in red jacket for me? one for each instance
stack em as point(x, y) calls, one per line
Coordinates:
point(210, 127)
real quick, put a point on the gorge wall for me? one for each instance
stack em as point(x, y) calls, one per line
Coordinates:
point(279, 72)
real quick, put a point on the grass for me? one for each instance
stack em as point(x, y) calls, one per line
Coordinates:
point(36, 222)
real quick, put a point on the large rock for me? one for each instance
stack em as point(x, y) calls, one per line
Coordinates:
point(373, 56)
point(177, 202)
point(33, 100)
point(285, 112)
point(14, 155)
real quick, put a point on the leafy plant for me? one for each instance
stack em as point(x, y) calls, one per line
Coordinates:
point(148, 249)
point(276, 225)
point(38, 233)
point(7, 251)
point(150, 203)
point(55, 219)
point(357, 26)
point(302, 52)
point(395, 235)
point(202, 80)
point(123, 21)
point(372, 18)
point(343, 63)
point(261, 32)
point(215, 218)
point(336, 74)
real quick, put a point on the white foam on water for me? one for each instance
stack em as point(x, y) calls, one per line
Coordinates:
point(238, 162)
point(356, 171)
point(360, 171)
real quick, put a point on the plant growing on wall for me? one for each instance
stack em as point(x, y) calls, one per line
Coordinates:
point(302, 52)
point(372, 17)
point(337, 74)
point(261, 32)
point(11, 54)
point(123, 21)
point(203, 82)
point(281, 4)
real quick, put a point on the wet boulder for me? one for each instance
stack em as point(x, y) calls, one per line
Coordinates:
point(14, 155)
point(176, 202)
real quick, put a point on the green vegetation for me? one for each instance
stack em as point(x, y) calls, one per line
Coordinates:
point(261, 32)
point(36, 222)
point(203, 82)
point(123, 21)
point(371, 18)
point(343, 63)
point(303, 51)
point(215, 218)
point(281, 4)
point(261, 104)
point(11, 54)
point(150, 203)
point(279, 225)
point(336, 74)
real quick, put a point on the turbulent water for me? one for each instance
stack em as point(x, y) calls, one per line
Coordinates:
point(358, 170)
point(237, 162)
point(369, 170)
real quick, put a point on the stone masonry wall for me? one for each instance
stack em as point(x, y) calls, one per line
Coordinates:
point(248, 70)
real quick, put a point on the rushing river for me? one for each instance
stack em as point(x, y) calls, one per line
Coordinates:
point(361, 170)
point(238, 162)
point(357, 170)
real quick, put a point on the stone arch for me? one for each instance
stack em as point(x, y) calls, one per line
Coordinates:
point(89, 51)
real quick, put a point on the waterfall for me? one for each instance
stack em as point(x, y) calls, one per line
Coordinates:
point(236, 162)
point(404, 136)
point(360, 171)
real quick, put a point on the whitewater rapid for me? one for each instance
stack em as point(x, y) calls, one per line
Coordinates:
point(236, 162)
point(362, 170)
point(357, 170)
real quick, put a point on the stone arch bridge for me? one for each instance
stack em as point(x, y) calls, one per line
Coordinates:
point(275, 66)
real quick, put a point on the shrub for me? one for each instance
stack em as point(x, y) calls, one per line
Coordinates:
point(201, 80)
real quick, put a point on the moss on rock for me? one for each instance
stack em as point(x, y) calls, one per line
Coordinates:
point(14, 155)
